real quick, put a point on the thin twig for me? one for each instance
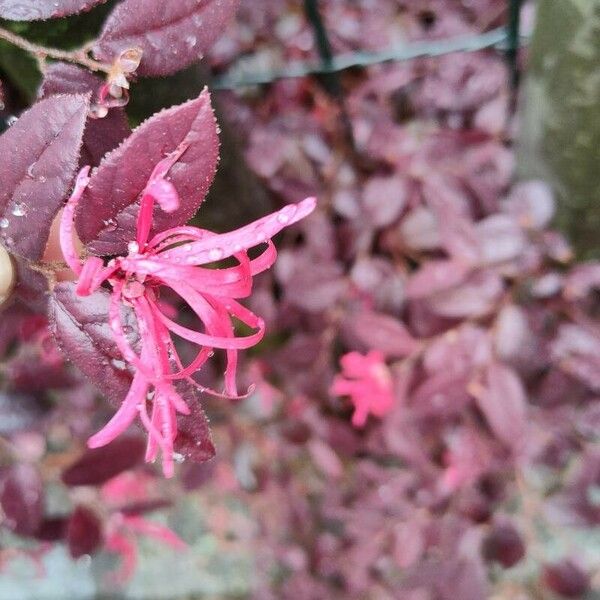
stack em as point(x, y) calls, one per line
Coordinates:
point(77, 56)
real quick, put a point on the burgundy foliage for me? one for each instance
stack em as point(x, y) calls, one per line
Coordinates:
point(171, 33)
point(40, 153)
point(31, 10)
point(106, 218)
point(424, 417)
point(83, 532)
point(101, 135)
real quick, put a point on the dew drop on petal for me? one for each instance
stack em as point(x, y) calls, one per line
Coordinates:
point(215, 254)
point(4, 223)
point(133, 247)
point(178, 458)
point(30, 170)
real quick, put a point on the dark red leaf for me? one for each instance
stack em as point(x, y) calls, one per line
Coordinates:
point(504, 405)
point(84, 532)
point(193, 439)
point(436, 276)
point(80, 327)
point(381, 332)
point(101, 135)
point(22, 499)
point(504, 545)
point(32, 10)
point(97, 466)
point(106, 219)
point(39, 156)
point(172, 33)
point(32, 286)
point(567, 579)
point(52, 530)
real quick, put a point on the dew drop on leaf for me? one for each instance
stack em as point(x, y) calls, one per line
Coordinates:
point(19, 210)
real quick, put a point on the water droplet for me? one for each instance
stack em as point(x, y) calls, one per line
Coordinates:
point(133, 247)
point(215, 254)
point(4, 223)
point(178, 458)
point(191, 41)
point(110, 224)
point(19, 210)
point(42, 179)
point(121, 365)
point(30, 170)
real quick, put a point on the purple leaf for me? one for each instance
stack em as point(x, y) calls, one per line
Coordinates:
point(172, 33)
point(384, 198)
point(52, 530)
point(84, 532)
point(451, 208)
point(193, 440)
point(532, 202)
point(381, 332)
point(501, 239)
point(442, 394)
point(503, 544)
point(107, 213)
point(436, 276)
point(39, 156)
point(22, 499)
point(32, 10)
point(80, 327)
point(97, 466)
point(474, 298)
point(32, 286)
point(503, 402)
point(420, 230)
point(567, 578)
point(577, 351)
point(101, 135)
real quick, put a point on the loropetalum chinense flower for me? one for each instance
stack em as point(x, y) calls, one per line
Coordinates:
point(368, 382)
point(177, 259)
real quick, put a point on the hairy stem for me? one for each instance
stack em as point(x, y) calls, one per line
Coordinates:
point(78, 56)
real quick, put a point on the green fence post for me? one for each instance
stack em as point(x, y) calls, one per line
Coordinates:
point(560, 122)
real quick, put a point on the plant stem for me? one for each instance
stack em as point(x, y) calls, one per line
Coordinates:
point(78, 56)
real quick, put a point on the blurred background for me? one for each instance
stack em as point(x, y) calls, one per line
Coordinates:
point(425, 423)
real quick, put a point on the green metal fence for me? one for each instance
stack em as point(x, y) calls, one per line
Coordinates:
point(505, 39)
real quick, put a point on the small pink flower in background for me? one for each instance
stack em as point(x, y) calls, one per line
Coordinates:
point(174, 259)
point(369, 384)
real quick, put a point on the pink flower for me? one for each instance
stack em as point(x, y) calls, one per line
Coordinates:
point(368, 382)
point(174, 259)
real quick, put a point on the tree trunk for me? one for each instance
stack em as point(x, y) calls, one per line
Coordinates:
point(561, 115)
